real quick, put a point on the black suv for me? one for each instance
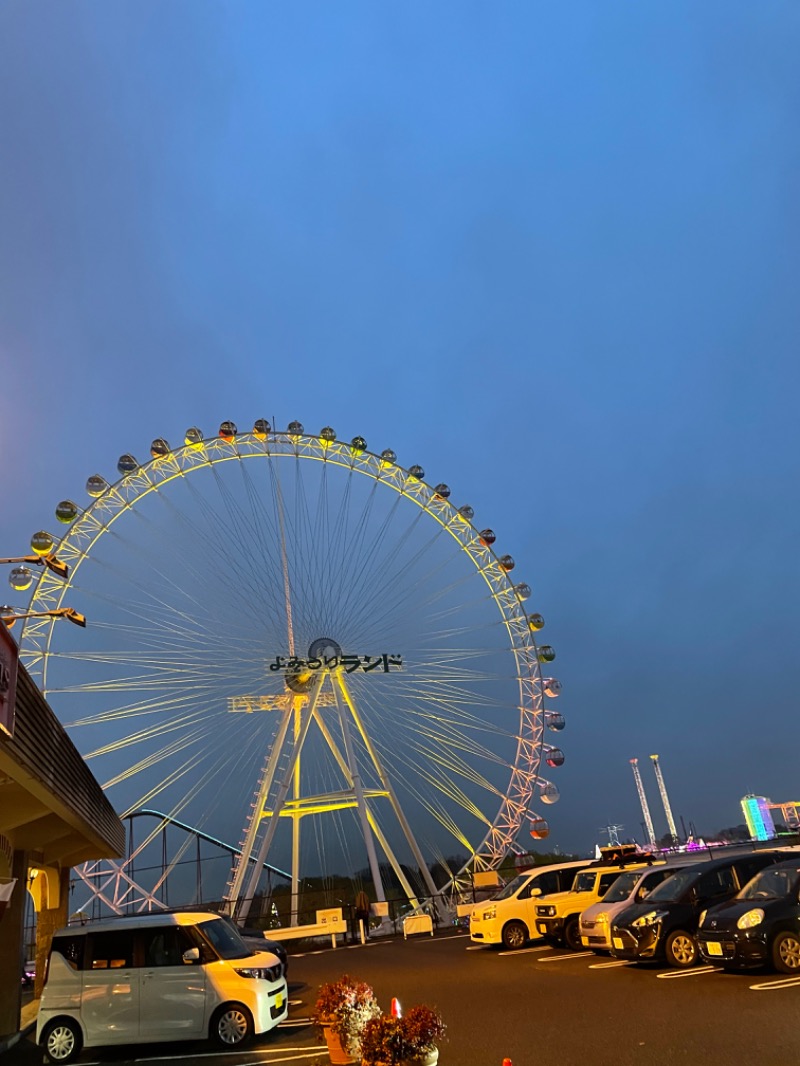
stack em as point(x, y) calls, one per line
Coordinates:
point(760, 925)
point(665, 924)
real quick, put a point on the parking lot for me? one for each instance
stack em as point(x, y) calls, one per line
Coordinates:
point(538, 1006)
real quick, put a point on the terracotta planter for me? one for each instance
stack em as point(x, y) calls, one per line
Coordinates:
point(336, 1052)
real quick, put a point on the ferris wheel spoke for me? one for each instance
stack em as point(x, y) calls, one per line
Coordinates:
point(441, 748)
point(240, 568)
point(159, 730)
point(153, 706)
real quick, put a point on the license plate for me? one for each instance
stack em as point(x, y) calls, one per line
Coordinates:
point(713, 948)
point(279, 1001)
point(618, 943)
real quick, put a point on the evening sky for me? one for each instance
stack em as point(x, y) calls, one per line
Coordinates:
point(548, 251)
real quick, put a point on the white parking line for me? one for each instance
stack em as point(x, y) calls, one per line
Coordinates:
point(573, 955)
point(690, 973)
point(311, 1049)
point(772, 986)
point(293, 1058)
point(608, 965)
point(524, 951)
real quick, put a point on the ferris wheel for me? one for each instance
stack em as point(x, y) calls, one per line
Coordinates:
point(295, 639)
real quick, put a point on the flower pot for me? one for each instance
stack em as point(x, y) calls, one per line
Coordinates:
point(427, 1058)
point(336, 1052)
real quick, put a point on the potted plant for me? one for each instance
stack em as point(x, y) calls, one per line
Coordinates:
point(342, 1010)
point(421, 1030)
point(382, 1041)
point(409, 1041)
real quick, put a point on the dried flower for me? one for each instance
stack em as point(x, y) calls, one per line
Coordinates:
point(346, 1005)
point(422, 1029)
point(382, 1041)
point(387, 1041)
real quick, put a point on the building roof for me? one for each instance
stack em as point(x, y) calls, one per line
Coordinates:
point(51, 805)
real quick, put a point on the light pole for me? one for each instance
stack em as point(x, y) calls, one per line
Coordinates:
point(10, 616)
point(49, 560)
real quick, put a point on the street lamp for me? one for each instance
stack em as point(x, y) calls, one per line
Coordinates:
point(9, 615)
point(50, 561)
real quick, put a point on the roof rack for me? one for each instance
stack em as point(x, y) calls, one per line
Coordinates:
point(622, 854)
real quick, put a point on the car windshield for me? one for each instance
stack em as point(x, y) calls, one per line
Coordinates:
point(772, 884)
point(622, 887)
point(226, 941)
point(674, 887)
point(512, 887)
point(584, 882)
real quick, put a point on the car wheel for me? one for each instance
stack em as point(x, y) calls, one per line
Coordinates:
point(515, 935)
point(232, 1025)
point(62, 1041)
point(786, 952)
point(681, 949)
point(572, 934)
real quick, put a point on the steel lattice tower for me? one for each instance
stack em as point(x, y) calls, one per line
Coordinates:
point(648, 821)
point(662, 788)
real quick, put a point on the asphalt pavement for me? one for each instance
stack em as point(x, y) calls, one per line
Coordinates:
point(538, 1007)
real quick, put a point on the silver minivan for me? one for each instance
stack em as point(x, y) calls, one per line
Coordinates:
point(157, 977)
point(630, 887)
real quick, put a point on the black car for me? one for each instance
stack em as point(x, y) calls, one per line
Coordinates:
point(664, 926)
point(761, 925)
point(257, 941)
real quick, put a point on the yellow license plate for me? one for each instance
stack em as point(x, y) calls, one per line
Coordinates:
point(279, 1001)
point(617, 943)
point(713, 948)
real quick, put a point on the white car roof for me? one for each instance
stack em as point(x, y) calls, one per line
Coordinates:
point(140, 921)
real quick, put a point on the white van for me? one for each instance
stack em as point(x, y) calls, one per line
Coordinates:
point(155, 977)
point(631, 887)
point(509, 918)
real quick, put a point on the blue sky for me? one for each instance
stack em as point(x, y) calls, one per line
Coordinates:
point(550, 252)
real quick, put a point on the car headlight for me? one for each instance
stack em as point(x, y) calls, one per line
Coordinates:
point(490, 912)
point(702, 918)
point(647, 919)
point(260, 973)
point(751, 919)
point(546, 912)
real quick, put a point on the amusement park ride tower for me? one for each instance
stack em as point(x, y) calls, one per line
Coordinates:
point(648, 821)
point(662, 788)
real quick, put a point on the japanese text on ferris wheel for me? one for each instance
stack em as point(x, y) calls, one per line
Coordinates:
point(365, 663)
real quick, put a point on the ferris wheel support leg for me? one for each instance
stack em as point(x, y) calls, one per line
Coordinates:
point(234, 896)
point(306, 716)
point(398, 810)
point(411, 895)
point(342, 764)
point(296, 827)
point(355, 777)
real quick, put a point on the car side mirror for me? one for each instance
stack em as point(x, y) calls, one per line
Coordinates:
point(643, 893)
point(191, 955)
point(536, 891)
